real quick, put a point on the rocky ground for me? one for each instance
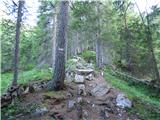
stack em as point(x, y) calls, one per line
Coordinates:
point(86, 96)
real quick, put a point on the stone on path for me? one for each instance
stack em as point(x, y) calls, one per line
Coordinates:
point(39, 112)
point(122, 101)
point(71, 104)
point(89, 77)
point(69, 77)
point(100, 90)
point(84, 71)
point(81, 90)
point(79, 79)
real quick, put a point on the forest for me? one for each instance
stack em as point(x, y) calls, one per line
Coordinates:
point(80, 59)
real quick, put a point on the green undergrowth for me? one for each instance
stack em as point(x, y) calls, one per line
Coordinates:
point(89, 56)
point(146, 103)
point(25, 77)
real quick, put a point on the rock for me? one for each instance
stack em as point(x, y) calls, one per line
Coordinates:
point(69, 77)
point(100, 90)
point(85, 115)
point(122, 101)
point(39, 112)
point(79, 100)
point(106, 114)
point(69, 95)
point(92, 85)
point(93, 105)
point(26, 91)
point(81, 90)
point(89, 77)
point(84, 71)
point(79, 78)
point(71, 104)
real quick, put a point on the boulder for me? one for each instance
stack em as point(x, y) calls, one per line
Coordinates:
point(100, 90)
point(122, 101)
point(79, 79)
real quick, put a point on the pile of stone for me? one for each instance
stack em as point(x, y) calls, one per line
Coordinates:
point(79, 70)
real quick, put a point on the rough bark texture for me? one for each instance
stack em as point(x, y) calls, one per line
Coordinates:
point(59, 70)
point(17, 38)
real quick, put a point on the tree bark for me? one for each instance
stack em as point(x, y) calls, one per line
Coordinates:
point(59, 70)
point(17, 39)
point(54, 38)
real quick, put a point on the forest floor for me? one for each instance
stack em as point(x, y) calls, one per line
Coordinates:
point(68, 105)
point(84, 97)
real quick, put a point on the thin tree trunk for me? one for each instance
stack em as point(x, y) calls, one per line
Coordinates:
point(98, 41)
point(59, 70)
point(17, 39)
point(150, 44)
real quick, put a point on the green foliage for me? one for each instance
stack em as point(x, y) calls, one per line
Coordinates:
point(25, 77)
point(89, 56)
point(141, 94)
point(7, 41)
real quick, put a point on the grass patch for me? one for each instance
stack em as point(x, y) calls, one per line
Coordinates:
point(24, 77)
point(145, 103)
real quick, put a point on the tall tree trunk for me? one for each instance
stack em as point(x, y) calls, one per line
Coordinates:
point(59, 70)
point(54, 38)
point(17, 38)
point(98, 53)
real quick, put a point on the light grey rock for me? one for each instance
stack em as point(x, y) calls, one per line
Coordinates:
point(39, 111)
point(92, 85)
point(122, 101)
point(89, 77)
point(26, 91)
point(69, 77)
point(106, 114)
point(90, 65)
point(71, 104)
point(79, 78)
point(84, 71)
point(100, 90)
point(79, 100)
point(81, 90)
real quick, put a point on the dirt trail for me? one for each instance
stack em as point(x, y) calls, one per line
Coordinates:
point(68, 104)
